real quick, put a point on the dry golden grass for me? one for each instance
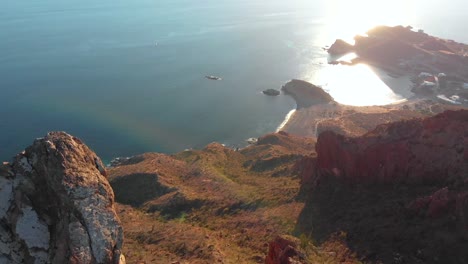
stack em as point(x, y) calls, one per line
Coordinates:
point(214, 205)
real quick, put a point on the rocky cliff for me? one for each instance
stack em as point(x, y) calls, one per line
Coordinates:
point(399, 194)
point(56, 206)
point(411, 151)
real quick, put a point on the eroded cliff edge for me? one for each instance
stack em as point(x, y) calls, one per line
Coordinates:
point(398, 194)
point(56, 206)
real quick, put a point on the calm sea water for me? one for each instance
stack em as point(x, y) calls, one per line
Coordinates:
point(128, 76)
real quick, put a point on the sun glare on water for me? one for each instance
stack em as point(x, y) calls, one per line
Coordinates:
point(345, 19)
point(358, 85)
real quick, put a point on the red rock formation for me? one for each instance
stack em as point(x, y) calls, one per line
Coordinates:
point(412, 150)
point(400, 192)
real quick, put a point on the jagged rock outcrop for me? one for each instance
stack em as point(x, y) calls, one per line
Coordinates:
point(56, 206)
point(413, 150)
point(399, 193)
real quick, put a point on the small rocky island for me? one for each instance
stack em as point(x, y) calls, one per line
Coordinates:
point(271, 92)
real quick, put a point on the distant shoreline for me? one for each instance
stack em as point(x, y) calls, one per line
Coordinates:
point(398, 51)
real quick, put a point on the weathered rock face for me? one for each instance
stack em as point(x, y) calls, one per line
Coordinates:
point(414, 150)
point(399, 193)
point(56, 206)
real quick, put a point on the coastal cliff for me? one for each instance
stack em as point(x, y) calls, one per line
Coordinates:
point(56, 206)
point(397, 194)
point(407, 151)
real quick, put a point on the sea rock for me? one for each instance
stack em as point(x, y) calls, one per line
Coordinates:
point(340, 47)
point(283, 250)
point(56, 206)
point(306, 94)
point(271, 92)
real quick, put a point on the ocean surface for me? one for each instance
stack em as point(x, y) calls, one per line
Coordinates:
point(128, 77)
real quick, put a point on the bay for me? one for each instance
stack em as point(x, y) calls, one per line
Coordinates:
point(129, 76)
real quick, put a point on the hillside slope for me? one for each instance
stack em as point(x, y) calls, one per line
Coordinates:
point(214, 205)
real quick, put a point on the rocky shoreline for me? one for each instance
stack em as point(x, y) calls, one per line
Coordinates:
point(398, 51)
point(401, 51)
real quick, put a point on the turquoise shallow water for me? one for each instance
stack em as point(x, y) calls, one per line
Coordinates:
point(128, 76)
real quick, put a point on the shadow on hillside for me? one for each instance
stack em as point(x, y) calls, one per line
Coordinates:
point(136, 189)
point(379, 227)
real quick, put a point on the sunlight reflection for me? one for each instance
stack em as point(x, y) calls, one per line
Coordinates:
point(345, 18)
point(358, 85)
point(355, 85)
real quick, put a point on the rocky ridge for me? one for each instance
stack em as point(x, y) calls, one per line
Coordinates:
point(56, 206)
point(213, 205)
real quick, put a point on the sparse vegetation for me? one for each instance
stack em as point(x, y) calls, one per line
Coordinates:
point(219, 208)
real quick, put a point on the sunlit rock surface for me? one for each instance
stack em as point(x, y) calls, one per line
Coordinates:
point(56, 206)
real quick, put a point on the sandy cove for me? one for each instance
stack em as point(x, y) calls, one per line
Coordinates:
point(316, 112)
point(398, 51)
